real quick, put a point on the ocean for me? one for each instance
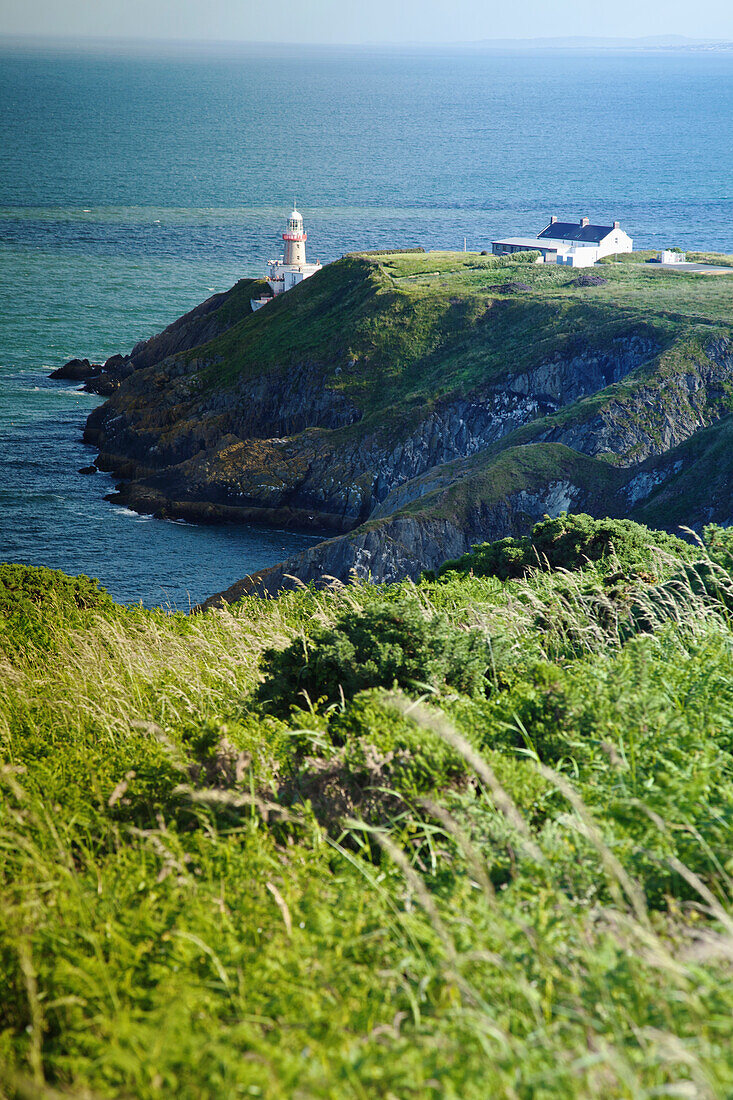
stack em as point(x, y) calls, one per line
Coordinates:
point(135, 184)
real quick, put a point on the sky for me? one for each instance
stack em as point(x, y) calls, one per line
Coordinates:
point(364, 21)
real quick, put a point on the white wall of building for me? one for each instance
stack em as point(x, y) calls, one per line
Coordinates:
point(666, 256)
point(282, 276)
point(615, 241)
point(582, 256)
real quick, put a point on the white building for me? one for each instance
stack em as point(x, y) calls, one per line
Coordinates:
point(284, 274)
point(572, 244)
point(669, 256)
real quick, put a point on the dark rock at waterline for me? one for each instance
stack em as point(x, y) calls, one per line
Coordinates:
point(107, 380)
point(97, 378)
point(104, 384)
point(77, 370)
point(88, 470)
point(116, 363)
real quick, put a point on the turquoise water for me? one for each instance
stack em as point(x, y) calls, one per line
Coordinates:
point(133, 187)
point(49, 513)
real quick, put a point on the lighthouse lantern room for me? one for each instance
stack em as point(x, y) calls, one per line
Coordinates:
point(283, 274)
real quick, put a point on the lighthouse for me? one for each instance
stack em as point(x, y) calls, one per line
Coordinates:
point(295, 237)
point(284, 274)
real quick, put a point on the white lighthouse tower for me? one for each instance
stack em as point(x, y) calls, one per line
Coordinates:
point(283, 274)
point(295, 237)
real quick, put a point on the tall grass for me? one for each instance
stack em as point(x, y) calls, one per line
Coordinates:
point(618, 1003)
point(549, 917)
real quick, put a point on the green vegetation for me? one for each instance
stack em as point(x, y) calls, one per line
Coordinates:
point(34, 604)
point(390, 644)
point(571, 542)
point(389, 251)
point(396, 327)
point(399, 333)
point(719, 259)
point(429, 351)
point(462, 839)
point(642, 256)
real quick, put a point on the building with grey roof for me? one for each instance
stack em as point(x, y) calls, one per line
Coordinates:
point(572, 244)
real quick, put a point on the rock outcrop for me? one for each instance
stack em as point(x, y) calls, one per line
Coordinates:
point(77, 370)
point(406, 545)
point(660, 413)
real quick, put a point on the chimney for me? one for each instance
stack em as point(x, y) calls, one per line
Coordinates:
point(616, 225)
point(583, 222)
point(553, 219)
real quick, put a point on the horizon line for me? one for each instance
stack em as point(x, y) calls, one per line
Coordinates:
point(668, 41)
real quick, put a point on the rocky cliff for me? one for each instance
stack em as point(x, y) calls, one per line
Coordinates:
point(418, 404)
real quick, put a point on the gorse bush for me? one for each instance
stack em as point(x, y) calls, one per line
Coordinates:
point(367, 760)
point(388, 644)
point(570, 542)
point(414, 761)
point(34, 601)
point(719, 541)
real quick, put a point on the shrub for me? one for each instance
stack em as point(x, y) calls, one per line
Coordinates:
point(719, 541)
point(371, 761)
point(413, 760)
point(543, 711)
point(35, 602)
point(388, 251)
point(388, 644)
point(570, 542)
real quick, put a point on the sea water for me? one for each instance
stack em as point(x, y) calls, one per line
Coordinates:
point(133, 185)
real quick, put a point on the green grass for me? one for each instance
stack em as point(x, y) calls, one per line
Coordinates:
point(400, 882)
point(418, 325)
point(398, 333)
point(523, 891)
point(719, 259)
point(639, 256)
point(643, 256)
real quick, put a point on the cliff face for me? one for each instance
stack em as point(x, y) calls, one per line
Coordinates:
point(271, 443)
point(661, 413)
point(406, 545)
point(417, 415)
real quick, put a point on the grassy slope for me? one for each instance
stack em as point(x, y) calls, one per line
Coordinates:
point(642, 256)
point(411, 327)
point(528, 467)
point(719, 259)
point(164, 932)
